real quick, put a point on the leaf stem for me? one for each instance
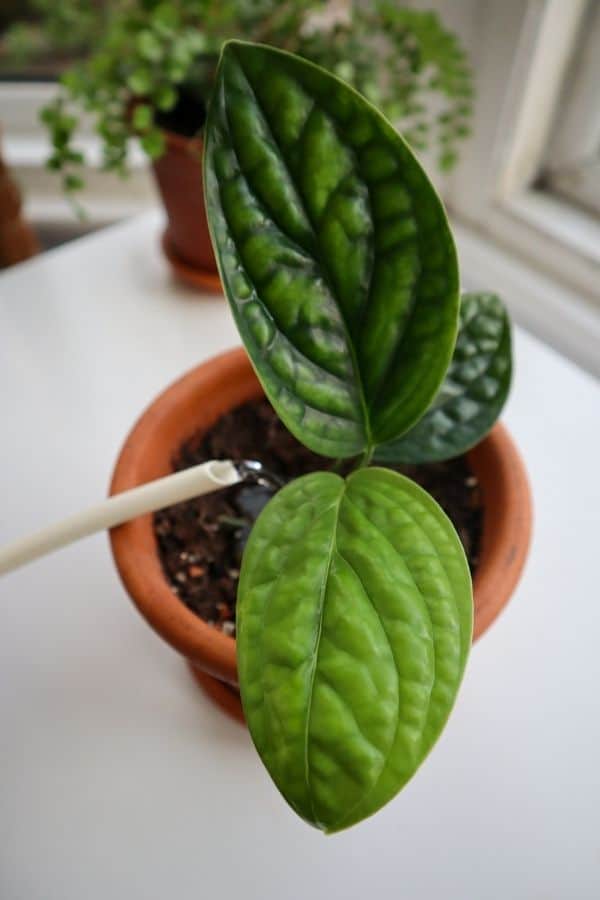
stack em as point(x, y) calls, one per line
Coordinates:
point(366, 457)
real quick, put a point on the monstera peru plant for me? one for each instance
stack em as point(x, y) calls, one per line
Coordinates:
point(354, 604)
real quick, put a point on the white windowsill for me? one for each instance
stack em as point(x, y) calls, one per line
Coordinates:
point(539, 302)
point(26, 147)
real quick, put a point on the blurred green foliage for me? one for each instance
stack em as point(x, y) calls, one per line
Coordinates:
point(139, 57)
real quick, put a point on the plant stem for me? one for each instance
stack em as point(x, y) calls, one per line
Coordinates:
point(358, 463)
point(366, 458)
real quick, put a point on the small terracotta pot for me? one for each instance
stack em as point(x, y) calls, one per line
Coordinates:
point(17, 239)
point(186, 240)
point(193, 404)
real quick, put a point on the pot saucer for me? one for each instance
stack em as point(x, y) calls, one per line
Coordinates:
point(225, 696)
point(201, 279)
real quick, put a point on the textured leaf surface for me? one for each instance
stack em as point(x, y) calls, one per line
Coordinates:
point(474, 390)
point(334, 251)
point(354, 625)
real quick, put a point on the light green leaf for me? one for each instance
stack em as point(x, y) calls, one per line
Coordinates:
point(153, 143)
point(354, 626)
point(334, 251)
point(196, 41)
point(149, 46)
point(140, 81)
point(165, 97)
point(142, 117)
point(473, 393)
point(165, 18)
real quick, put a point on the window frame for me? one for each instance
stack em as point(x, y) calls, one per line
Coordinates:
point(572, 163)
point(535, 236)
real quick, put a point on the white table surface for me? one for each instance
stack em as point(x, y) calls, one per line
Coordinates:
point(119, 779)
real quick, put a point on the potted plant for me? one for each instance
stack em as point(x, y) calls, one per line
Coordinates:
point(355, 609)
point(150, 73)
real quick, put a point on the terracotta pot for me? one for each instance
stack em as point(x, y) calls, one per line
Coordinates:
point(17, 239)
point(186, 240)
point(194, 403)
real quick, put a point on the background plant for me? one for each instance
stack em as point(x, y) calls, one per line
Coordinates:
point(159, 52)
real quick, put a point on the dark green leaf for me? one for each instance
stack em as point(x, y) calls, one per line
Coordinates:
point(74, 156)
point(447, 160)
point(73, 183)
point(474, 390)
point(55, 162)
point(49, 115)
point(354, 626)
point(334, 251)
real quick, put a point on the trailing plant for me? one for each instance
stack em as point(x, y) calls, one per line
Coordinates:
point(354, 603)
point(47, 29)
point(151, 65)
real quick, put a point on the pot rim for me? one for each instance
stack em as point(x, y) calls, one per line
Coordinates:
point(157, 436)
point(147, 453)
point(506, 537)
